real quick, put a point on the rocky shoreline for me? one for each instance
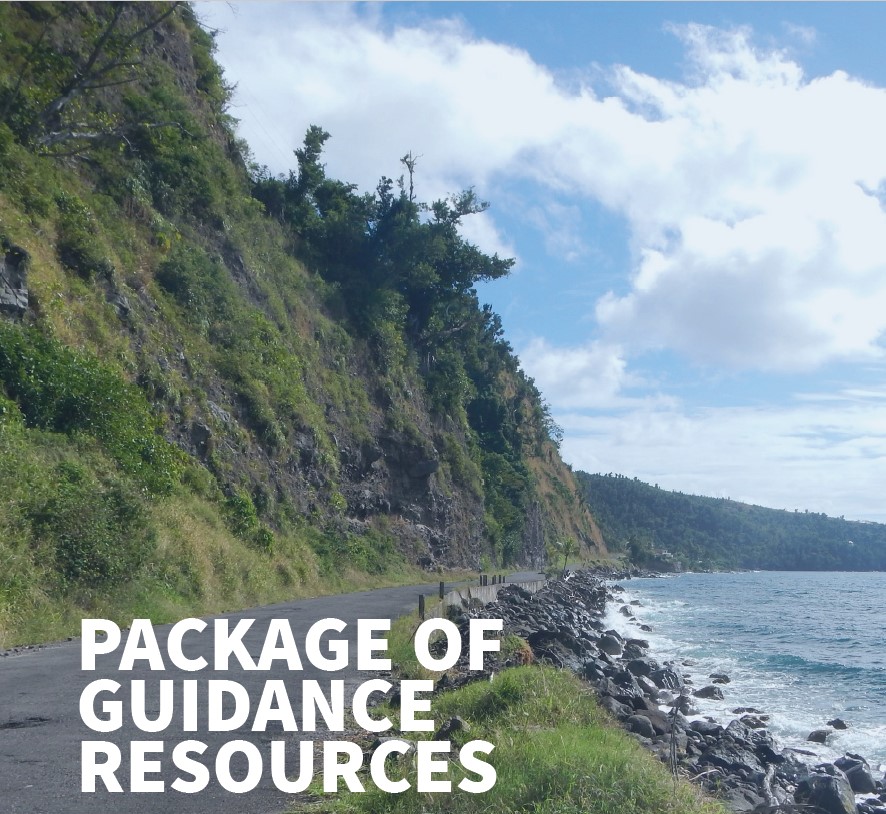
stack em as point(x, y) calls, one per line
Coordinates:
point(740, 763)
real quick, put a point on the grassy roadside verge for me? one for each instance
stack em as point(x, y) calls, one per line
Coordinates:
point(556, 751)
point(198, 567)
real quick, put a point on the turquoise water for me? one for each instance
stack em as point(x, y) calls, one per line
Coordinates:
point(803, 647)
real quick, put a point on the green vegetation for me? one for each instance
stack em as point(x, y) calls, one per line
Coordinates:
point(555, 752)
point(227, 384)
point(68, 392)
point(406, 278)
point(644, 521)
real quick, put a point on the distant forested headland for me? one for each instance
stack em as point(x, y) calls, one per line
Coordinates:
point(672, 530)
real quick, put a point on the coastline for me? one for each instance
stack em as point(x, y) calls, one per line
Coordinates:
point(738, 760)
point(797, 646)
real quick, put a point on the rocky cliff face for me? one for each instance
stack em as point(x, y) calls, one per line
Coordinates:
point(13, 279)
point(151, 256)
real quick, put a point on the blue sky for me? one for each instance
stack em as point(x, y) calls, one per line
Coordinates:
point(695, 195)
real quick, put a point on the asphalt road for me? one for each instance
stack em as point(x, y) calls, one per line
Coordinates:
point(41, 729)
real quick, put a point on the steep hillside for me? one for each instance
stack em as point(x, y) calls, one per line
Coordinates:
point(644, 521)
point(218, 386)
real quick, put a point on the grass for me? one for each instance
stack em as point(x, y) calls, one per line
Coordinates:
point(555, 752)
point(196, 565)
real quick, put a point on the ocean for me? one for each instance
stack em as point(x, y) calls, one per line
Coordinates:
point(802, 647)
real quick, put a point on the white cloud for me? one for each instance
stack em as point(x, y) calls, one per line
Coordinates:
point(822, 456)
point(747, 187)
point(480, 229)
point(591, 376)
point(459, 101)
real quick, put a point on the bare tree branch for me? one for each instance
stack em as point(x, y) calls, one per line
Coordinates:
point(89, 76)
point(93, 137)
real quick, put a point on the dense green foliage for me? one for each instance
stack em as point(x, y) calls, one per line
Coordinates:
point(230, 386)
point(406, 278)
point(644, 521)
point(69, 392)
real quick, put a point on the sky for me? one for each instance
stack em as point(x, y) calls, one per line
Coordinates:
point(695, 195)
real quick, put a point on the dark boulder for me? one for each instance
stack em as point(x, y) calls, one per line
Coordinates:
point(830, 793)
point(616, 708)
point(706, 728)
point(743, 799)
point(635, 648)
point(819, 736)
point(423, 468)
point(610, 644)
point(624, 678)
point(648, 687)
point(445, 731)
point(14, 261)
point(642, 667)
point(740, 732)
point(660, 721)
point(734, 759)
point(710, 691)
point(641, 725)
point(666, 678)
point(857, 772)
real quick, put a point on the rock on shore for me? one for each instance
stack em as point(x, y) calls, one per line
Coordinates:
point(741, 762)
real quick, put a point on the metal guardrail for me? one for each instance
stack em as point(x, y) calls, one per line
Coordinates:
point(464, 597)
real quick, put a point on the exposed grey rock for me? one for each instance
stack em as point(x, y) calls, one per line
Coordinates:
point(649, 688)
point(641, 725)
point(14, 261)
point(829, 792)
point(754, 721)
point(201, 437)
point(741, 762)
point(121, 304)
point(616, 708)
point(667, 678)
point(642, 666)
point(424, 468)
point(609, 644)
point(454, 724)
point(734, 759)
point(743, 799)
point(710, 691)
point(819, 735)
point(707, 728)
point(857, 772)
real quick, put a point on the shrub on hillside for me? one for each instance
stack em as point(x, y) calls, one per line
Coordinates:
point(73, 392)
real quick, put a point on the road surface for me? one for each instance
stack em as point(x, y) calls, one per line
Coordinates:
point(41, 729)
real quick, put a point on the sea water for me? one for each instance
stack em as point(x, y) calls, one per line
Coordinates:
point(802, 647)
